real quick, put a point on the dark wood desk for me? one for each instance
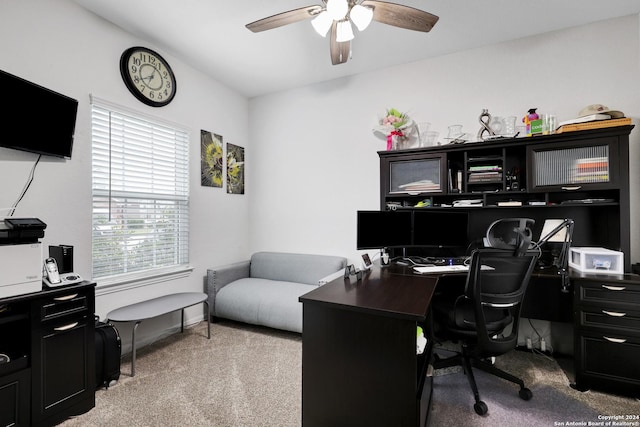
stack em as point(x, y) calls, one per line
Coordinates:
point(359, 361)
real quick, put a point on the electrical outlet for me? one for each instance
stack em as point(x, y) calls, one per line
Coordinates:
point(543, 345)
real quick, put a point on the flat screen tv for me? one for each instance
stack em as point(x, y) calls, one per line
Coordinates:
point(383, 229)
point(440, 229)
point(35, 118)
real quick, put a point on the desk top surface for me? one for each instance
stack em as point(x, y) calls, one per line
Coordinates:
point(390, 291)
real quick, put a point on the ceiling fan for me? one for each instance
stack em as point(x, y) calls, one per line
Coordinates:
point(337, 16)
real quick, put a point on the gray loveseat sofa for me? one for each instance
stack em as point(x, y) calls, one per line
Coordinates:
point(265, 289)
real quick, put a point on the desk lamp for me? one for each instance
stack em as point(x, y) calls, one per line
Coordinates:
point(559, 231)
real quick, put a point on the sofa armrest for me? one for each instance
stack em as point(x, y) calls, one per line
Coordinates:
point(331, 277)
point(219, 277)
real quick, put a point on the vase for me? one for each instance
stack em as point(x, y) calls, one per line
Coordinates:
point(400, 142)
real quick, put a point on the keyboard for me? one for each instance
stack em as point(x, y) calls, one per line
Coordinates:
point(441, 268)
point(447, 268)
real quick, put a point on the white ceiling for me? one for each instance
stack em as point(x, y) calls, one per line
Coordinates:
point(211, 36)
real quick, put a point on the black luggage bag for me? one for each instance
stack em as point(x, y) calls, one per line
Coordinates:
point(108, 353)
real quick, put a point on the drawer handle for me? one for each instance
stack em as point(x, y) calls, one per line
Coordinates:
point(577, 187)
point(614, 288)
point(66, 297)
point(615, 340)
point(67, 327)
point(614, 314)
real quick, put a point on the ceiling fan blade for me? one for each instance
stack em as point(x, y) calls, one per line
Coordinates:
point(401, 16)
point(284, 18)
point(339, 50)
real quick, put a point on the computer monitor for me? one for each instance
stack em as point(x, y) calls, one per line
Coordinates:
point(440, 229)
point(383, 229)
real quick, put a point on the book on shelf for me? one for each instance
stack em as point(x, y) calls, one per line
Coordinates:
point(476, 177)
point(597, 124)
point(485, 168)
point(584, 119)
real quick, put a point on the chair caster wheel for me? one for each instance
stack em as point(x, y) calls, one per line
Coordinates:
point(480, 408)
point(525, 394)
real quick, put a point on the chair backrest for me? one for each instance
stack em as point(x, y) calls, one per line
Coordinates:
point(510, 233)
point(496, 283)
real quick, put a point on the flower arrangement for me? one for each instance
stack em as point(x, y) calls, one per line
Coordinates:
point(396, 125)
point(394, 118)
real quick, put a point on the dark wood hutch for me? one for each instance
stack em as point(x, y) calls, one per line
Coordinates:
point(582, 175)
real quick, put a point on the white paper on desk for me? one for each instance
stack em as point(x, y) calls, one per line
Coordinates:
point(421, 343)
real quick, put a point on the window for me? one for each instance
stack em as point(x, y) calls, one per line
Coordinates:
point(140, 188)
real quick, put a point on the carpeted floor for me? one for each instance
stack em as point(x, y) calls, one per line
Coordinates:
point(251, 376)
point(554, 402)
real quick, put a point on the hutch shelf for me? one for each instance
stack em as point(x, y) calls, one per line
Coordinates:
point(582, 175)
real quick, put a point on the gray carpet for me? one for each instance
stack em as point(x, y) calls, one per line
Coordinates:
point(251, 376)
point(554, 401)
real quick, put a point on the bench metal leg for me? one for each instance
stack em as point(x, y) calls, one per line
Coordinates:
point(133, 346)
point(182, 321)
point(208, 319)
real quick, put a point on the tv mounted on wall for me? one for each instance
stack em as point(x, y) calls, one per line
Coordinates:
point(36, 119)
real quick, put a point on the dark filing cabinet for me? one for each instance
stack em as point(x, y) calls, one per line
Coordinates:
point(49, 338)
point(607, 333)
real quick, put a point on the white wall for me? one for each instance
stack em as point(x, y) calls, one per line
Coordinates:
point(63, 47)
point(314, 155)
point(311, 156)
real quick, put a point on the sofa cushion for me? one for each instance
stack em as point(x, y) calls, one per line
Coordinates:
point(264, 302)
point(292, 267)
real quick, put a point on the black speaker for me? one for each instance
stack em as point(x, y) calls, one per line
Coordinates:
point(63, 255)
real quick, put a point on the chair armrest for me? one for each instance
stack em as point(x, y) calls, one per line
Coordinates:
point(331, 277)
point(219, 277)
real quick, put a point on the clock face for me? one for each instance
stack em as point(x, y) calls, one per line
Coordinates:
point(148, 76)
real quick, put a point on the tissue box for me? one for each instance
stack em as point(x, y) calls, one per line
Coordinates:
point(596, 260)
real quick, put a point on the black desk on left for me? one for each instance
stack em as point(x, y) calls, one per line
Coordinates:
point(359, 359)
point(48, 337)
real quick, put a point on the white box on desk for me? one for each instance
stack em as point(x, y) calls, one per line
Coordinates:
point(596, 260)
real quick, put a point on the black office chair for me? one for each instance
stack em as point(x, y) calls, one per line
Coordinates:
point(491, 301)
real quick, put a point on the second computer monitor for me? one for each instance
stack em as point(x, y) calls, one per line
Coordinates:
point(434, 228)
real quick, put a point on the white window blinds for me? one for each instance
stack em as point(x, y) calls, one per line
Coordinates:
point(140, 193)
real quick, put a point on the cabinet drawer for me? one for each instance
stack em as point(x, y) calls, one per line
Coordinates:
point(15, 397)
point(608, 319)
point(609, 294)
point(63, 305)
point(608, 361)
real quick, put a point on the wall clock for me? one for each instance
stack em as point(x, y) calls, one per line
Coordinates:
point(148, 76)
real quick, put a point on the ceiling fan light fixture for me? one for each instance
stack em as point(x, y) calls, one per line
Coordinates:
point(337, 9)
point(344, 31)
point(322, 23)
point(361, 16)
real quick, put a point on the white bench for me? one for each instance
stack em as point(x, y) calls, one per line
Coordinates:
point(157, 307)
